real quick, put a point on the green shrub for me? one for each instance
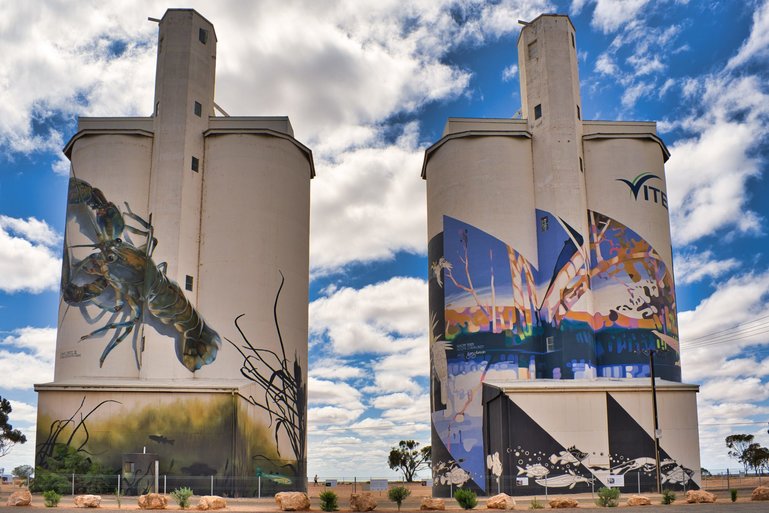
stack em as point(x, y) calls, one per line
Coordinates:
point(45, 480)
point(398, 494)
point(733, 494)
point(535, 504)
point(51, 498)
point(466, 498)
point(328, 501)
point(668, 497)
point(608, 497)
point(182, 496)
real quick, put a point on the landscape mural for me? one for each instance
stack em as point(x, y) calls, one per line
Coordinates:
point(589, 310)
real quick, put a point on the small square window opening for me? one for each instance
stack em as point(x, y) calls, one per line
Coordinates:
point(203, 36)
point(538, 111)
point(544, 223)
point(533, 50)
point(195, 164)
point(579, 113)
point(188, 282)
point(198, 109)
point(573, 44)
point(581, 168)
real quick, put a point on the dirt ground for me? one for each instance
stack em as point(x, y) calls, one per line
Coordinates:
point(343, 491)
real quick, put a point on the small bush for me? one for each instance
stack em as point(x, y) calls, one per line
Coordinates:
point(182, 496)
point(398, 494)
point(466, 498)
point(733, 494)
point(328, 501)
point(668, 497)
point(535, 504)
point(608, 497)
point(51, 498)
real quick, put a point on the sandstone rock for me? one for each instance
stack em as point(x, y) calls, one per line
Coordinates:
point(693, 496)
point(760, 494)
point(20, 498)
point(500, 501)
point(292, 501)
point(638, 500)
point(87, 501)
point(563, 503)
point(430, 504)
point(207, 502)
point(362, 501)
point(153, 501)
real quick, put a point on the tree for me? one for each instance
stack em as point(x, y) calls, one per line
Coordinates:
point(23, 471)
point(8, 436)
point(756, 457)
point(408, 458)
point(738, 445)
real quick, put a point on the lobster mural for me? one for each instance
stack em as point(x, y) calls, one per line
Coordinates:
point(121, 277)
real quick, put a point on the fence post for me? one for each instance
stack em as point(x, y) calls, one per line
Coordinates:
point(638, 474)
point(545, 488)
point(157, 476)
point(118, 486)
point(73, 484)
point(259, 486)
point(212, 485)
point(728, 485)
point(164, 483)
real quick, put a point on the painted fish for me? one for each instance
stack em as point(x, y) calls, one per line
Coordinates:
point(645, 464)
point(563, 458)
point(571, 479)
point(677, 475)
point(533, 471)
point(275, 478)
point(161, 439)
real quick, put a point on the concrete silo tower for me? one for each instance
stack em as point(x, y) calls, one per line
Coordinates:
point(551, 279)
point(183, 321)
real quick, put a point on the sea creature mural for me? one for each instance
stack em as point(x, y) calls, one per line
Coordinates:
point(537, 470)
point(121, 278)
point(567, 480)
point(161, 439)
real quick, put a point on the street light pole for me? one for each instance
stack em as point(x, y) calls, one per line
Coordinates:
point(656, 422)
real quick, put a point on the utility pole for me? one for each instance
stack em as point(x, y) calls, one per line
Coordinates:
point(656, 421)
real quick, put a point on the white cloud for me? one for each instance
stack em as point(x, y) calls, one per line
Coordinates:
point(334, 368)
point(708, 174)
point(510, 72)
point(395, 373)
point(323, 391)
point(605, 65)
point(757, 44)
point(733, 389)
point(22, 412)
point(373, 202)
point(381, 318)
point(27, 356)
point(692, 267)
point(610, 15)
point(334, 415)
point(29, 259)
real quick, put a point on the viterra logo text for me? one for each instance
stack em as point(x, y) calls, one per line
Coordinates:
point(650, 193)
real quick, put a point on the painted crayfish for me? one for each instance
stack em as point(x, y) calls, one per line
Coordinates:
point(121, 277)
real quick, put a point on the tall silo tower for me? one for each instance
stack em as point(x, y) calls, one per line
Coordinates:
point(551, 279)
point(183, 320)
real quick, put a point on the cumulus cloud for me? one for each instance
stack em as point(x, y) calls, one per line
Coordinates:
point(335, 368)
point(691, 267)
point(510, 72)
point(381, 318)
point(373, 203)
point(29, 260)
point(708, 173)
point(323, 391)
point(27, 356)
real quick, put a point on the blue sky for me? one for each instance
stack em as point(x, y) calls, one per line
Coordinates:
point(368, 86)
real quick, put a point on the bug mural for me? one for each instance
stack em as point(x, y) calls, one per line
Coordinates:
point(120, 278)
